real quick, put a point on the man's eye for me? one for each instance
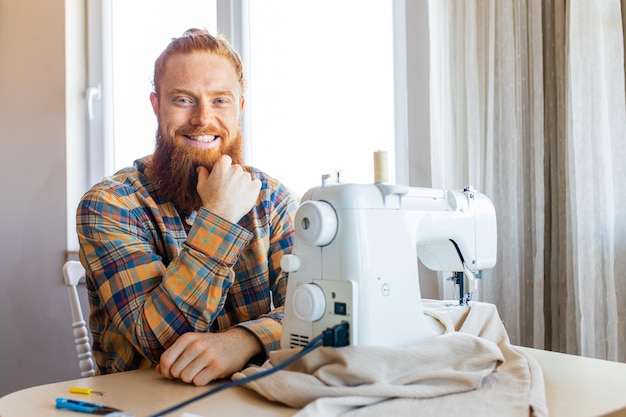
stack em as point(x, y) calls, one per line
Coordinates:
point(183, 100)
point(220, 100)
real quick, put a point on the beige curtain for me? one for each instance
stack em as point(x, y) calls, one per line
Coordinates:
point(528, 105)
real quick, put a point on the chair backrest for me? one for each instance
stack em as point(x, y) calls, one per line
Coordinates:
point(73, 273)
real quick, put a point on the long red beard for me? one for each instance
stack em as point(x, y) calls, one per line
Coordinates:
point(173, 168)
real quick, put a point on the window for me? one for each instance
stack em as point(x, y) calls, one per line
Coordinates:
point(126, 38)
point(321, 89)
point(320, 95)
point(140, 29)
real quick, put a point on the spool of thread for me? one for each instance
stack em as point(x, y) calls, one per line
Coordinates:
point(380, 167)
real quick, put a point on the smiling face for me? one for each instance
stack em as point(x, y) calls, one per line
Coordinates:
point(198, 104)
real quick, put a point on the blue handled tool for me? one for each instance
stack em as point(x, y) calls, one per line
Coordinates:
point(90, 408)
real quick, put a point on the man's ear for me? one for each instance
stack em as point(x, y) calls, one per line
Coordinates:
point(155, 103)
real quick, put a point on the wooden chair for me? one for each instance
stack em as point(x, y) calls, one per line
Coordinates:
point(73, 273)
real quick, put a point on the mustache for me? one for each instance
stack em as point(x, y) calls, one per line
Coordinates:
point(189, 131)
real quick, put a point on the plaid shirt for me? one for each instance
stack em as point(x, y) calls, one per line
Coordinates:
point(152, 275)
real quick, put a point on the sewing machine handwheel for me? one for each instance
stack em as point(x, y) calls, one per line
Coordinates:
point(316, 223)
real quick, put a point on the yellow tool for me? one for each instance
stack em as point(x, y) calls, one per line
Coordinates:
point(86, 391)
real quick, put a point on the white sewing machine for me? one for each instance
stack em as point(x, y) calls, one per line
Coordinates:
point(355, 258)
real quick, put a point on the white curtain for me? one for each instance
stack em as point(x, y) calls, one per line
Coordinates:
point(528, 105)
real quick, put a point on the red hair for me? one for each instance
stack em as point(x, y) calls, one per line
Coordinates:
point(194, 40)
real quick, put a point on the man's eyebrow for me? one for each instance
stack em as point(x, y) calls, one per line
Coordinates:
point(219, 93)
point(229, 93)
point(175, 91)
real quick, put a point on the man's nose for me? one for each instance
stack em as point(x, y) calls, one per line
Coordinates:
point(203, 114)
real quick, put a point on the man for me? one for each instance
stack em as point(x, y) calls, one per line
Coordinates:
point(182, 251)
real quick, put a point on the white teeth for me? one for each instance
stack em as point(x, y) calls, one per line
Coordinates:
point(203, 138)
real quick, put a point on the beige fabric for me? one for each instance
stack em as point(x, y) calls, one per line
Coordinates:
point(470, 370)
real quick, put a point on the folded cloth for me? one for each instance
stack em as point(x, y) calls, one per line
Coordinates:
point(471, 369)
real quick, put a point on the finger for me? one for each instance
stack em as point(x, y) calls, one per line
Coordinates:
point(160, 371)
point(205, 376)
point(183, 363)
point(222, 163)
point(173, 359)
point(163, 373)
point(203, 174)
point(226, 160)
point(201, 371)
point(221, 167)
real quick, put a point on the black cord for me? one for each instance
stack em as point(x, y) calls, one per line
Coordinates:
point(336, 336)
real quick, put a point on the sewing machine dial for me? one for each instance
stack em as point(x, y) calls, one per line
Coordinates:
point(309, 302)
point(316, 223)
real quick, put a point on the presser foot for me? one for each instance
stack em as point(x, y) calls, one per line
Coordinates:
point(459, 279)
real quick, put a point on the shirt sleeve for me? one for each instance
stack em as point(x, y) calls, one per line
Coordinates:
point(149, 302)
point(268, 327)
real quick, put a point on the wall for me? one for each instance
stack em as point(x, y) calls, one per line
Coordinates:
point(36, 345)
